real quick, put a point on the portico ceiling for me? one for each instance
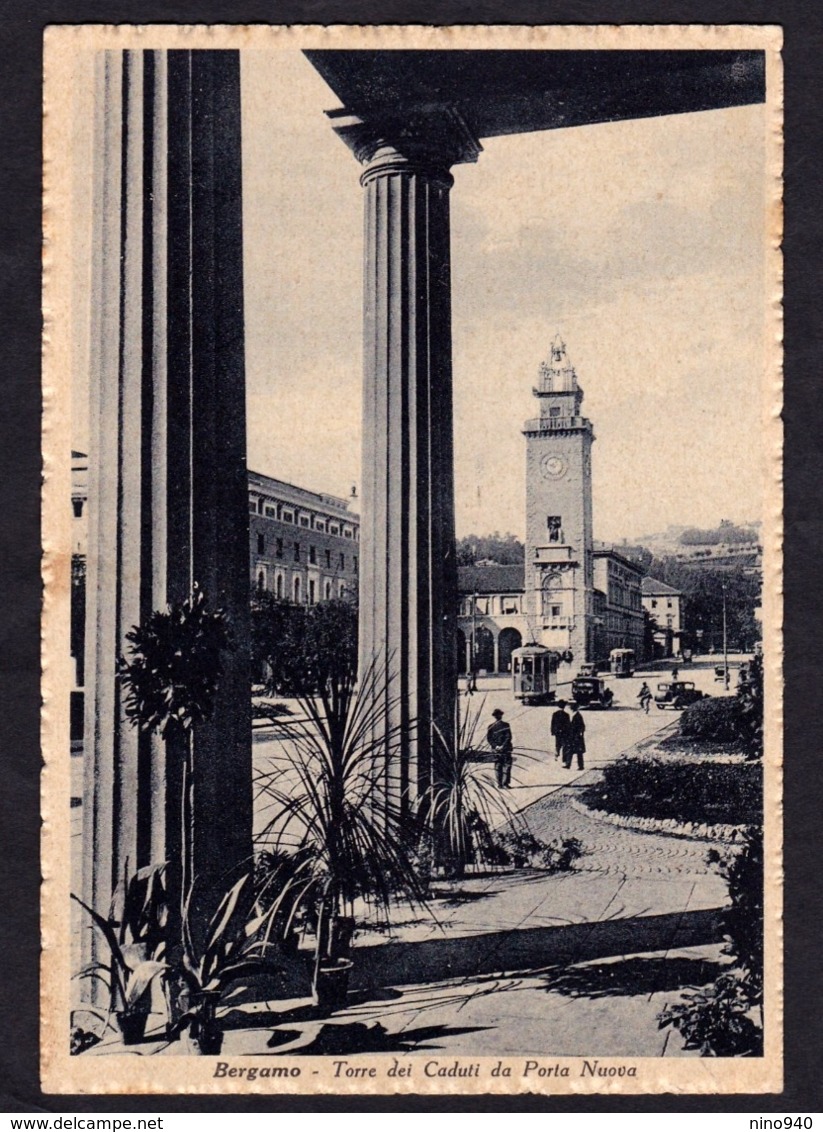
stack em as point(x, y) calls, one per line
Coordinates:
point(508, 92)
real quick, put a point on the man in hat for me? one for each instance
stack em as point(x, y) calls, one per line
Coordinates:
point(575, 741)
point(499, 737)
point(559, 727)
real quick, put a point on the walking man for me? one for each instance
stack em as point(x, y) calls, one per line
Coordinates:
point(499, 738)
point(575, 740)
point(559, 727)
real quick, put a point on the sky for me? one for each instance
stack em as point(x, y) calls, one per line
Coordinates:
point(640, 242)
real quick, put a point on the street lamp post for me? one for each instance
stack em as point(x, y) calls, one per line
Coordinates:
point(725, 640)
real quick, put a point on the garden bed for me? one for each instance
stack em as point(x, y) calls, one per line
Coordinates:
point(698, 793)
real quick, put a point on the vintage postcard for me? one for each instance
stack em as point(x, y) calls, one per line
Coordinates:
point(412, 560)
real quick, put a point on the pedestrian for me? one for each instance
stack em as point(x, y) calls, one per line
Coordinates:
point(499, 738)
point(675, 672)
point(575, 741)
point(645, 697)
point(559, 727)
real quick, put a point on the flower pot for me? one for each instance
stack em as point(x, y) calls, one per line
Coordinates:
point(132, 1026)
point(208, 1040)
point(331, 986)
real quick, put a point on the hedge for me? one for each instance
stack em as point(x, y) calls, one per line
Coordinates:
point(710, 793)
point(712, 718)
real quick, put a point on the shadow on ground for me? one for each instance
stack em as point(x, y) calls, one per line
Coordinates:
point(343, 1038)
point(530, 949)
point(626, 977)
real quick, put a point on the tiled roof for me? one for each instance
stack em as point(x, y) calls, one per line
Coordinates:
point(491, 579)
point(652, 586)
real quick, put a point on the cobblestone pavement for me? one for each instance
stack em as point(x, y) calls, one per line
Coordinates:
point(610, 849)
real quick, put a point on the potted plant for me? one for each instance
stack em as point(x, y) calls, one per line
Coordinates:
point(134, 933)
point(340, 812)
point(239, 944)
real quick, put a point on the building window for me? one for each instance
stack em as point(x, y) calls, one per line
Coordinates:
point(288, 516)
point(261, 544)
point(342, 560)
point(342, 591)
point(297, 552)
point(555, 611)
point(311, 591)
point(77, 505)
point(252, 507)
point(668, 605)
point(304, 520)
point(279, 548)
point(554, 411)
point(328, 559)
point(280, 585)
point(327, 591)
point(261, 582)
point(654, 603)
point(347, 532)
point(313, 555)
point(269, 512)
point(297, 590)
point(553, 523)
point(334, 529)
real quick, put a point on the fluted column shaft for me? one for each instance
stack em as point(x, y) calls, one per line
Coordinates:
point(167, 493)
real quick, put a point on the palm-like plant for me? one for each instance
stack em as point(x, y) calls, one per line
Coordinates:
point(340, 810)
point(171, 679)
point(462, 803)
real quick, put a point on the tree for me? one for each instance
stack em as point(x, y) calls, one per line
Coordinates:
point(505, 550)
point(308, 649)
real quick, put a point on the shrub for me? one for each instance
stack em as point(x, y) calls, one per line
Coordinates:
point(712, 718)
point(702, 792)
point(721, 1021)
point(522, 849)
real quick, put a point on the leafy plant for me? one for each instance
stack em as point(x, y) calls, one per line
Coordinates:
point(238, 945)
point(716, 1020)
point(306, 649)
point(171, 679)
point(340, 814)
point(743, 919)
point(712, 718)
point(134, 934)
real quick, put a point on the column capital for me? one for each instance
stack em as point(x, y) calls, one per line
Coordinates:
point(426, 141)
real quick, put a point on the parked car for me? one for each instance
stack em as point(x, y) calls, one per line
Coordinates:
point(677, 694)
point(591, 691)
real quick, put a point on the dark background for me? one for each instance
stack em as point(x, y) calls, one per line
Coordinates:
point(21, 27)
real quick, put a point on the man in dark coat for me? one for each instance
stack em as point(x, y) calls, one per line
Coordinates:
point(499, 737)
point(559, 727)
point(575, 741)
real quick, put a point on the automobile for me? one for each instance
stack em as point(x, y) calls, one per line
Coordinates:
point(587, 670)
point(591, 691)
point(677, 694)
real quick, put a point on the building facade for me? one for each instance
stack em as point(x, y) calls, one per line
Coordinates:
point(662, 602)
point(304, 546)
point(619, 622)
point(492, 619)
point(559, 575)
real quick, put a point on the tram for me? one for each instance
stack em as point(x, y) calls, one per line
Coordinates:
point(622, 662)
point(534, 674)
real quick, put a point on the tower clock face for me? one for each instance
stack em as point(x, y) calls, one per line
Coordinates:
point(552, 467)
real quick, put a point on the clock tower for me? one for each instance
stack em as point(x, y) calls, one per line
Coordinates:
point(559, 564)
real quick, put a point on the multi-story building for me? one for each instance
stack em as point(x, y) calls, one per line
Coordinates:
point(304, 546)
point(662, 602)
point(619, 622)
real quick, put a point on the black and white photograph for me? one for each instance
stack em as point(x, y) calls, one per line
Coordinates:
point(412, 530)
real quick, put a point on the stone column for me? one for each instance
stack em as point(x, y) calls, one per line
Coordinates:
point(408, 575)
point(167, 493)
